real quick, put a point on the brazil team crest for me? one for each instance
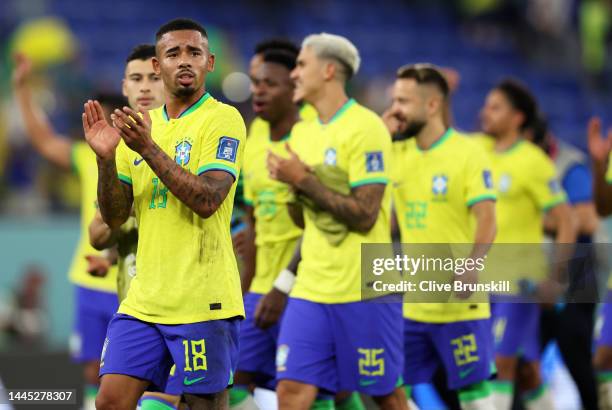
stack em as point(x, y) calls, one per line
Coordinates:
point(182, 153)
point(439, 185)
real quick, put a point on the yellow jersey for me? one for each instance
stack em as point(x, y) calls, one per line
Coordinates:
point(186, 266)
point(269, 198)
point(86, 168)
point(356, 141)
point(526, 184)
point(433, 192)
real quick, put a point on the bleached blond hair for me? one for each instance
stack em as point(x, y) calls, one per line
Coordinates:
point(336, 48)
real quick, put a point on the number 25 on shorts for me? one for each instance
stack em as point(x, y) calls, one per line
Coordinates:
point(195, 355)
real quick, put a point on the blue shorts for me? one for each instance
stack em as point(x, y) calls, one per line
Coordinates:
point(205, 353)
point(463, 348)
point(516, 329)
point(94, 310)
point(257, 346)
point(341, 347)
point(603, 335)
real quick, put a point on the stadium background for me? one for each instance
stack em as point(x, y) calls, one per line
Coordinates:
point(560, 48)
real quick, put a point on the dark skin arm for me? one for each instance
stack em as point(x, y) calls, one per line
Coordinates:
point(244, 242)
point(358, 211)
point(114, 197)
point(271, 305)
point(101, 236)
point(203, 194)
point(296, 213)
point(599, 148)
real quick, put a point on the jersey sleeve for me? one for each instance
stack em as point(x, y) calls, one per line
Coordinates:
point(543, 184)
point(223, 144)
point(479, 179)
point(577, 184)
point(122, 161)
point(78, 153)
point(370, 157)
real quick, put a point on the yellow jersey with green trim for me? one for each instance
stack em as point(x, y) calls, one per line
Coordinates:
point(186, 266)
point(269, 199)
point(86, 168)
point(433, 191)
point(261, 127)
point(357, 141)
point(609, 173)
point(527, 185)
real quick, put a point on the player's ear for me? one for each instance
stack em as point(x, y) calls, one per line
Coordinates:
point(329, 70)
point(156, 66)
point(210, 64)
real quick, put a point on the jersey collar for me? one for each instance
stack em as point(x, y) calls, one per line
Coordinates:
point(189, 109)
point(338, 113)
point(439, 142)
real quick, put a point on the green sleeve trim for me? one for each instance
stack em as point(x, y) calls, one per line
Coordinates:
point(502, 387)
point(609, 180)
point(125, 179)
point(217, 167)
point(368, 181)
point(474, 392)
point(248, 201)
point(557, 201)
point(604, 376)
point(480, 198)
point(73, 159)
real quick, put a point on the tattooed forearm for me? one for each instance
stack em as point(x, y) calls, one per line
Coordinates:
point(114, 198)
point(358, 210)
point(202, 194)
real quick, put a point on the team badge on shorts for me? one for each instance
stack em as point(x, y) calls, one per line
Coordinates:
point(374, 161)
point(182, 153)
point(282, 352)
point(227, 149)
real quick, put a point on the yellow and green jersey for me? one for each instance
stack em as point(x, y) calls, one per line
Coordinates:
point(527, 186)
point(356, 141)
point(434, 190)
point(274, 228)
point(127, 246)
point(261, 127)
point(86, 168)
point(186, 265)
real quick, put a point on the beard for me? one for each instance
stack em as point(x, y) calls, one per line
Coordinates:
point(183, 92)
point(411, 131)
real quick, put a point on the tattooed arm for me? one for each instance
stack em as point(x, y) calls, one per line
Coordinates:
point(203, 194)
point(358, 211)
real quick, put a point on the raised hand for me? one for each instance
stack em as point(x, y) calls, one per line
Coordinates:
point(290, 171)
point(599, 147)
point(22, 70)
point(100, 135)
point(134, 129)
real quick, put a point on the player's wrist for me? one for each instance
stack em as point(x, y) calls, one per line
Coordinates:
point(284, 281)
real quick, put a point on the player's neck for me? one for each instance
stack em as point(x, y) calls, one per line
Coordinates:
point(430, 134)
point(506, 141)
point(329, 101)
point(175, 106)
point(281, 128)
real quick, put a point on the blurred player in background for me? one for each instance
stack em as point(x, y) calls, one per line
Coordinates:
point(571, 324)
point(96, 300)
point(175, 311)
point(276, 236)
point(600, 150)
point(524, 196)
point(330, 340)
point(441, 180)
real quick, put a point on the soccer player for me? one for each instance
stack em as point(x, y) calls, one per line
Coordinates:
point(600, 150)
point(524, 197)
point(442, 179)
point(178, 166)
point(267, 213)
point(96, 300)
point(330, 340)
